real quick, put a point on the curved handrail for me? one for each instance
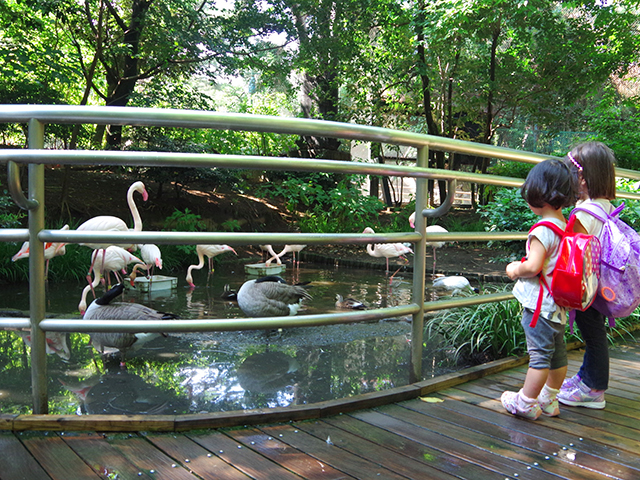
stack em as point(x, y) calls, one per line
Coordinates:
point(445, 206)
point(15, 189)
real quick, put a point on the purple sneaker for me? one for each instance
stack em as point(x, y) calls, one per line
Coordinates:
point(571, 383)
point(581, 396)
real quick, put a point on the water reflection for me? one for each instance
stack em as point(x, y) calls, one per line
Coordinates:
point(223, 371)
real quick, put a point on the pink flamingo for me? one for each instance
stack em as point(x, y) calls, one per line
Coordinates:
point(209, 251)
point(51, 250)
point(387, 250)
point(268, 249)
point(288, 248)
point(108, 223)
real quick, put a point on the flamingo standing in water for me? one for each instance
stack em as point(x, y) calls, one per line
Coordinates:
point(387, 250)
point(209, 251)
point(268, 249)
point(434, 245)
point(51, 250)
point(108, 223)
point(151, 256)
point(111, 259)
point(288, 248)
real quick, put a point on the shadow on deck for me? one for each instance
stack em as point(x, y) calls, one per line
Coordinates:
point(459, 430)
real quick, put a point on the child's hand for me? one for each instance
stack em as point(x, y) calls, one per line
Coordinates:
point(511, 270)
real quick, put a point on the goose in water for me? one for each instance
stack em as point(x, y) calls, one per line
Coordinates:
point(104, 308)
point(349, 303)
point(454, 285)
point(271, 296)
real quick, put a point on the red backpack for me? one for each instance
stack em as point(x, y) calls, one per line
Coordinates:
point(574, 282)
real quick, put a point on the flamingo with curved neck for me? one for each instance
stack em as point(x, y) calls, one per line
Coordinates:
point(209, 251)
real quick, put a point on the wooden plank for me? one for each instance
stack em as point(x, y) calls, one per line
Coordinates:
point(16, 462)
point(57, 458)
point(541, 430)
point(576, 425)
point(403, 456)
point(202, 462)
point(290, 457)
point(509, 429)
point(100, 455)
point(460, 448)
point(148, 459)
point(96, 423)
point(333, 453)
point(245, 459)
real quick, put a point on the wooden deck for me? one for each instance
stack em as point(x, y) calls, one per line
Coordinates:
point(459, 432)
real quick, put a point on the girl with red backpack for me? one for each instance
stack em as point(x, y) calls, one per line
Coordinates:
point(547, 189)
point(592, 166)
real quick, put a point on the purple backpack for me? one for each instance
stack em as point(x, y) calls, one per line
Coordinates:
point(619, 285)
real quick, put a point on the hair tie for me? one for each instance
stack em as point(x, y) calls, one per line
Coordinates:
point(574, 161)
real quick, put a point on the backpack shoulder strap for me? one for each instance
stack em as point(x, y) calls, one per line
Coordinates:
point(545, 223)
point(598, 211)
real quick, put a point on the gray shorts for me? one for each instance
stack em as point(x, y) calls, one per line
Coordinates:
point(545, 343)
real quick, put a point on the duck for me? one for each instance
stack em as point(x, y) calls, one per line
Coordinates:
point(349, 303)
point(271, 296)
point(104, 308)
point(455, 284)
point(228, 294)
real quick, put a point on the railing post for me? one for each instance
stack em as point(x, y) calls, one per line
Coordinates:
point(419, 269)
point(36, 275)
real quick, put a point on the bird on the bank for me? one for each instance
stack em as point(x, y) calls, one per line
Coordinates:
point(104, 308)
point(387, 250)
point(288, 248)
point(208, 251)
point(349, 303)
point(434, 245)
point(109, 223)
point(271, 296)
point(454, 285)
point(51, 250)
point(270, 253)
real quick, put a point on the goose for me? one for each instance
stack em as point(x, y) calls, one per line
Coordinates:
point(454, 284)
point(387, 250)
point(288, 248)
point(208, 251)
point(349, 303)
point(104, 308)
point(271, 296)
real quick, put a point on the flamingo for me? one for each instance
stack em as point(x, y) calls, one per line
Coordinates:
point(104, 309)
point(454, 284)
point(111, 259)
point(108, 223)
point(349, 303)
point(287, 248)
point(271, 296)
point(387, 250)
point(268, 249)
point(208, 251)
point(151, 256)
point(51, 250)
point(434, 245)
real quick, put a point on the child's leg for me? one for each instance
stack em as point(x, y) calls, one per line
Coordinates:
point(594, 371)
point(547, 399)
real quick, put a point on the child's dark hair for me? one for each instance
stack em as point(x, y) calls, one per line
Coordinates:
point(594, 162)
point(549, 182)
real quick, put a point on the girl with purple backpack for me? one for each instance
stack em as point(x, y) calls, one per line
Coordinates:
point(592, 165)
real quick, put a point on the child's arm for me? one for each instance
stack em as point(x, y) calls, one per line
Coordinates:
point(532, 265)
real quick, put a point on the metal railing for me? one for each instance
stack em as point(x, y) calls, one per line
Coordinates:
point(36, 157)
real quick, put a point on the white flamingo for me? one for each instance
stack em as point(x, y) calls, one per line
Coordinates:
point(268, 249)
point(387, 250)
point(111, 259)
point(151, 256)
point(271, 296)
point(209, 251)
point(434, 245)
point(454, 284)
point(51, 250)
point(288, 248)
point(108, 223)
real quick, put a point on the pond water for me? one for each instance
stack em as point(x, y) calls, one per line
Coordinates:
point(223, 371)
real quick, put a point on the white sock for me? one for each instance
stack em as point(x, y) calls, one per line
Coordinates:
point(548, 394)
point(524, 399)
